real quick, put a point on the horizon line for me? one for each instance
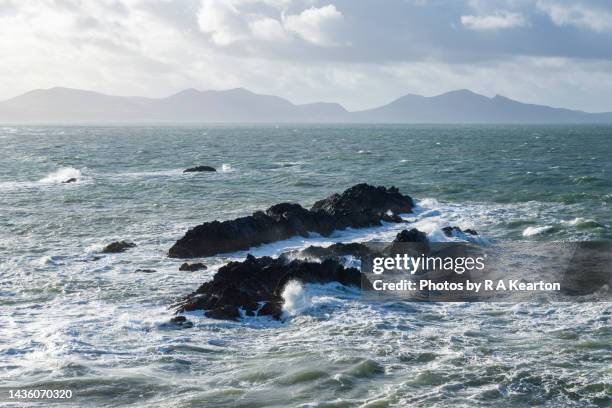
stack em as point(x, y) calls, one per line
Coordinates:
point(460, 90)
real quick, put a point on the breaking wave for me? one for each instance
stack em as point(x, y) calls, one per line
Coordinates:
point(61, 175)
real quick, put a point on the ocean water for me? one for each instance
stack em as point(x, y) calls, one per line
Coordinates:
point(73, 318)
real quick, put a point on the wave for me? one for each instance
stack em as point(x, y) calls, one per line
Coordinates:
point(295, 299)
point(61, 176)
point(313, 298)
point(56, 177)
point(583, 223)
point(532, 231)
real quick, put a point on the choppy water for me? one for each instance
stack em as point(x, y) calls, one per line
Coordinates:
point(101, 328)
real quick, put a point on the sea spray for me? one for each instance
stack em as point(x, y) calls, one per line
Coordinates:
point(61, 175)
point(531, 231)
point(295, 298)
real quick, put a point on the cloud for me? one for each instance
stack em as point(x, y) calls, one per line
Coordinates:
point(222, 20)
point(496, 21)
point(299, 48)
point(268, 29)
point(577, 14)
point(233, 21)
point(315, 25)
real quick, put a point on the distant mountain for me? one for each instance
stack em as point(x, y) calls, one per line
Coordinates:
point(242, 106)
point(465, 106)
point(190, 105)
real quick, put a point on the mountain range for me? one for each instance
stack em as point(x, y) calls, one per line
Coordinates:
point(65, 105)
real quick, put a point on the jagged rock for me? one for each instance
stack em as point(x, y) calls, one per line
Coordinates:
point(199, 169)
point(70, 180)
point(450, 231)
point(337, 251)
point(413, 235)
point(360, 206)
point(255, 286)
point(118, 246)
point(192, 267)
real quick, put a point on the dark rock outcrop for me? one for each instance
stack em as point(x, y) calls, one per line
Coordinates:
point(360, 206)
point(413, 235)
point(118, 246)
point(70, 180)
point(411, 241)
point(146, 270)
point(192, 267)
point(450, 231)
point(198, 169)
point(255, 286)
point(337, 251)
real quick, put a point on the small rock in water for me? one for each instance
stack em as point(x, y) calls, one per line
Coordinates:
point(449, 231)
point(70, 180)
point(182, 322)
point(192, 267)
point(118, 246)
point(145, 270)
point(199, 169)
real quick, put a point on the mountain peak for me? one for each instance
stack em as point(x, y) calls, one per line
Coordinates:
point(460, 93)
point(239, 105)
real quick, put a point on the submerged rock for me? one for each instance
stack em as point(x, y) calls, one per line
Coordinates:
point(70, 180)
point(360, 206)
point(192, 267)
point(146, 270)
point(255, 286)
point(118, 246)
point(198, 169)
point(450, 231)
point(181, 322)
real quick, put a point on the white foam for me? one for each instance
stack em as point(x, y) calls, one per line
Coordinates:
point(226, 168)
point(531, 231)
point(295, 298)
point(61, 175)
point(312, 298)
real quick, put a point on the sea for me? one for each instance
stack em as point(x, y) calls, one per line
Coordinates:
point(73, 318)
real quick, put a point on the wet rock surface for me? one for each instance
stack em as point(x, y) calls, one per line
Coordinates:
point(362, 205)
point(452, 231)
point(199, 169)
point(117, 247)
point(192, 267)
point(181, 322)
point(255, 286)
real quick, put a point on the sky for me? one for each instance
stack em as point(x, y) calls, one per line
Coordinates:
point(356, 52)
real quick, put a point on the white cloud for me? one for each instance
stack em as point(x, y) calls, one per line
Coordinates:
point(282, 47)
point(222, 20)
point(268, 29)
point(496, 21)
point(315, 25)
point(232, 21)
point(577, 14)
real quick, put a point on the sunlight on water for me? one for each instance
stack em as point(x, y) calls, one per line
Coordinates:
point(70, 315)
